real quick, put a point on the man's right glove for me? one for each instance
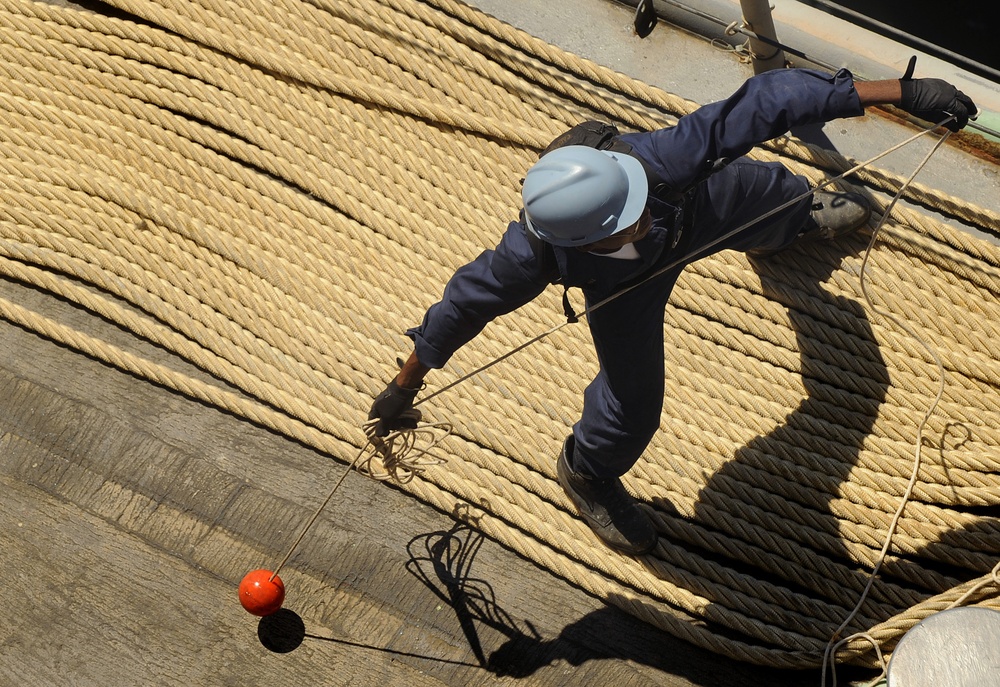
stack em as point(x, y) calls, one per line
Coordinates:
point(393, 408)
point(934, 99)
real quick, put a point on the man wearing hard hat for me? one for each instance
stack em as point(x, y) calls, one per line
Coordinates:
point(604, 220)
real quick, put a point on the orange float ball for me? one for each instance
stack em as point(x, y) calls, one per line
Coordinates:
point(261, 595)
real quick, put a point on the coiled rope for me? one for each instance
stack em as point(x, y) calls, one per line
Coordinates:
point(276, 192)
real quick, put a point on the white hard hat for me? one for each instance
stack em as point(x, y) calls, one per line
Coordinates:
point(577, 195)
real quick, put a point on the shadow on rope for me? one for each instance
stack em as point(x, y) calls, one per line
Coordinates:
point(827, 447)
point(819, 437)
point(744, 501)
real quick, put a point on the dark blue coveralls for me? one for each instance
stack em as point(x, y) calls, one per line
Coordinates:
point(622, 405)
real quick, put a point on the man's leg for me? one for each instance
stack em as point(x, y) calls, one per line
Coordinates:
point(622, 405)
point(621, 412)
point(739, 194)
point(747, 190)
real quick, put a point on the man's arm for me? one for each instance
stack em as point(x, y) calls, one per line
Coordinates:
point(495, 283)
point(771, 104)
point(878, 92)
point(411, 374)
point(764, 107)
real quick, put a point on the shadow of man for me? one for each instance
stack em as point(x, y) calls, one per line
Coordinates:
point(788, 483)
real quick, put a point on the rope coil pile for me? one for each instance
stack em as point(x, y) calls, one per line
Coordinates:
point(275, 191)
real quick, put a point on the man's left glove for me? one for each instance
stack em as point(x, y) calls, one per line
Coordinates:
point(393, 408)
point(934, 99)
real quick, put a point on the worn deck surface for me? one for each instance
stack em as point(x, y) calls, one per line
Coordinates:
point(130, 513)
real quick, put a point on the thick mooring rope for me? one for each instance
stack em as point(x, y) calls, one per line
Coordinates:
point(275, 191)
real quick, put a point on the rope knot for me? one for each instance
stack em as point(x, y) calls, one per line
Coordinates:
point(399, 456)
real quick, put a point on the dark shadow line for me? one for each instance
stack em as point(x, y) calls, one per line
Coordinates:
point(407, 654)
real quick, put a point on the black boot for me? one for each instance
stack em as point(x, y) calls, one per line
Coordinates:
point(834, 214)
point(607, 508)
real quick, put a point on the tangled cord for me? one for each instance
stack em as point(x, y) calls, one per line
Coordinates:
point(741, 52)
point(399, 456)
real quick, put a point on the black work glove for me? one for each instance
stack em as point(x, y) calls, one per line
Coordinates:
point(393, 408)
point(935, 99)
